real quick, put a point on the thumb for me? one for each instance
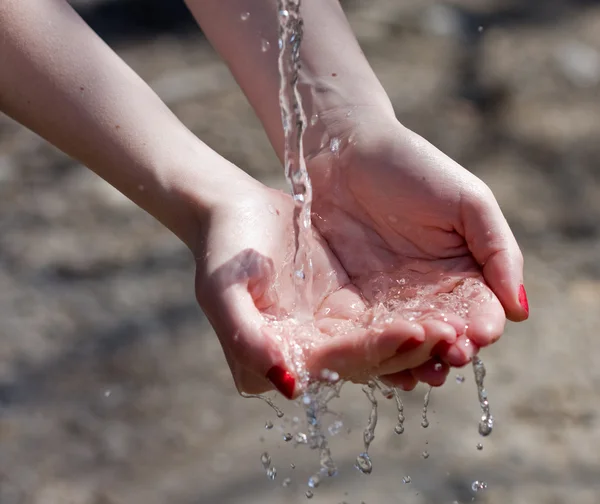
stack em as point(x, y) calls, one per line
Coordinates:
point(253, 346)
point(495, 248)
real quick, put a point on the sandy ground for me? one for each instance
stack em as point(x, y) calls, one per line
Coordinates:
point(113, 389)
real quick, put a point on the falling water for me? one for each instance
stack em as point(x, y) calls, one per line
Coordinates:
point(277, 411)
point(363, 461)
point(399, 429)
point(424, 419)
point(294, 125)
point(486, 424)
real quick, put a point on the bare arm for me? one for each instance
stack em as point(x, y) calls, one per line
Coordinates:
point(63, 82)
point(335, 74)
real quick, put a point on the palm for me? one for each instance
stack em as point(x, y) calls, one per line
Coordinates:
point(245, 285)
point(396, 225)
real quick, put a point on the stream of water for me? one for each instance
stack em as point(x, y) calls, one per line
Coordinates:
point(293, 119)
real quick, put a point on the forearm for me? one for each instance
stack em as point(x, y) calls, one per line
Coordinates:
point(60, 80)
point(335, 75)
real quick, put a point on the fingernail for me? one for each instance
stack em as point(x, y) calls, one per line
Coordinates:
point(523, 299)
point(409, 344)
point(282, 380)
point(441, 349)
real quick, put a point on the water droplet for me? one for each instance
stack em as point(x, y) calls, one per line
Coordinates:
point(478, 485)
point(479, 446)
point(335, 428)
point(425, 454)
point(300, 274)
point(314, 481)
point(309, 494)
point(268, 425)
point(334, 145)
point(399, 429)
point(301, 438)
point(293, 466)
point(287, 437)
point(437, 366)
point(314, 119)
point(286, 482)
point(460, 378)
point(284, 13)
point(480, 29)
point(406, 479)
point(271, 473)
point(265, 45)
point(486, 425)
point(364, 464)
point(245, 16)
point(107, 393)
point(265, 460)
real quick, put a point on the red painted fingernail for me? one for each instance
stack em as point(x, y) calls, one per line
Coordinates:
point(409, 344)
point(523, 298)
point(441, 349)
point(282, 380)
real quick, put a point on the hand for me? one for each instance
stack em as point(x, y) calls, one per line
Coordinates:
point(419, 236)
point(244, 283)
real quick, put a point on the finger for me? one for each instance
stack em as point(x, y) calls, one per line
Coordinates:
point(358, 350)
point(495, 248)
point(437, 334)
point(254, 346)
point(461, 352)
point(404, 380)
point(486, 323)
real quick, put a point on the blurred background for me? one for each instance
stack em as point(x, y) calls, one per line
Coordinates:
point(113, 388)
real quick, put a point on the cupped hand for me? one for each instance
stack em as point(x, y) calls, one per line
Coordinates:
point(245, 285)
point(422, 239)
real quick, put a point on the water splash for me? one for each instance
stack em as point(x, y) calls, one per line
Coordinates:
point(486, 425)
point(315, 403)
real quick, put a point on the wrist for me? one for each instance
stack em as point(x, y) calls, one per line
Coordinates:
point(202, 183)
point(337, 109)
